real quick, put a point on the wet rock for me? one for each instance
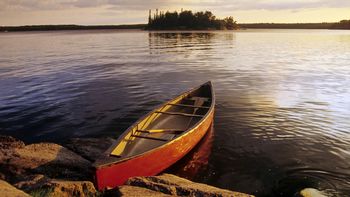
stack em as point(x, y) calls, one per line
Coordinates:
point(173, 185)
point(90, 148)
point(49, 159)
point(7, 190)
point(311, 192)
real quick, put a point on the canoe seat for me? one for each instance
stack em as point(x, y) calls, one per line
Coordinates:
point(160, 131)
point(179, 114)
point(192, 106)
point(150, 138)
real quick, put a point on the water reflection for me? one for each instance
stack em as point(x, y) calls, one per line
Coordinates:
point(196, 161)
point(179, 37)
point(168, 43)
point(282, 114)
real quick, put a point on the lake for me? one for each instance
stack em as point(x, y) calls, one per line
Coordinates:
point(282, 119)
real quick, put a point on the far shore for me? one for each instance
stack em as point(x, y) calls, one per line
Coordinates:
point(242, 26)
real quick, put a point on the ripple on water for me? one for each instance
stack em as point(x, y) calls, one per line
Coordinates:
point(282, 114)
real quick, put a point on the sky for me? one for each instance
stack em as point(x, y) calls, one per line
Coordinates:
point(99, 12)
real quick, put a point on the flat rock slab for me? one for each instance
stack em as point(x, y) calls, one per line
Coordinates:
point(90, 148)
point(7, 190)
point(39, 184)
point(174, 185)
point(49, 159)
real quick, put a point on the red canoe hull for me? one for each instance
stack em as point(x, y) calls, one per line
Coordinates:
point(153, 162)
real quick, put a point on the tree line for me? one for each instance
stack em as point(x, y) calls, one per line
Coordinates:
point(343, 24)
point(286, 25)
point(68, 27)
point(189, 20)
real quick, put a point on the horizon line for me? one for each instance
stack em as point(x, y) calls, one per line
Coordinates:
point(147, 23)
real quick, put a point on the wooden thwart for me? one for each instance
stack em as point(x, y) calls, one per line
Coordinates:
point(160, 130)
point(178, 114)
point(193, 106)
point(151, 138)
point(112, 155)
point(197, 98)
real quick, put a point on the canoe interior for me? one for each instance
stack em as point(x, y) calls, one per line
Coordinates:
point(165, 123)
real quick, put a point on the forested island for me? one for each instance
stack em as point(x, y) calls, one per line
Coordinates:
point(187, 20)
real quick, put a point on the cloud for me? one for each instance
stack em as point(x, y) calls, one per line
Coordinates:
point(24, 12)
point(66, 4)
point(239, 5)
point(233, 5)
point(32, 4)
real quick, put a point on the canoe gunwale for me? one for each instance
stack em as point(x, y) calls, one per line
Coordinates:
point(98, 164)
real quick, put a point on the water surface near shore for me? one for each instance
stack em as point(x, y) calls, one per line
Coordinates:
point(283, 96)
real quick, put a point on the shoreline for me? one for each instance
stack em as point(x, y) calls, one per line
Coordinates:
point(242, 26)
point(156, 31)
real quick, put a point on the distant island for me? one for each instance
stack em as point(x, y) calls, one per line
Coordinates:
point(68, 27)
point(186, 20)
point(344, 24)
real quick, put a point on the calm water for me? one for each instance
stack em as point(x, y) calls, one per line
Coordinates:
point(282, 118)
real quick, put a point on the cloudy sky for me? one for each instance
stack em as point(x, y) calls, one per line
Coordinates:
point(88, 12)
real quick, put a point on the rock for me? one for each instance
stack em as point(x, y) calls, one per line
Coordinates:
point(173, 185)
point(69, 188)
point(8, 142)
point(39, 184)
point(7, 190)
point(311, 192)
point(132, 191)
point(49, 159)
point(32, 182)
point(90, 148)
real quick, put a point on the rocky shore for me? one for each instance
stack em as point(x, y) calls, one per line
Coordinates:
point(49, 169)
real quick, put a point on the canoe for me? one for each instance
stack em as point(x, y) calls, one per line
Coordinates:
point(159, 139)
